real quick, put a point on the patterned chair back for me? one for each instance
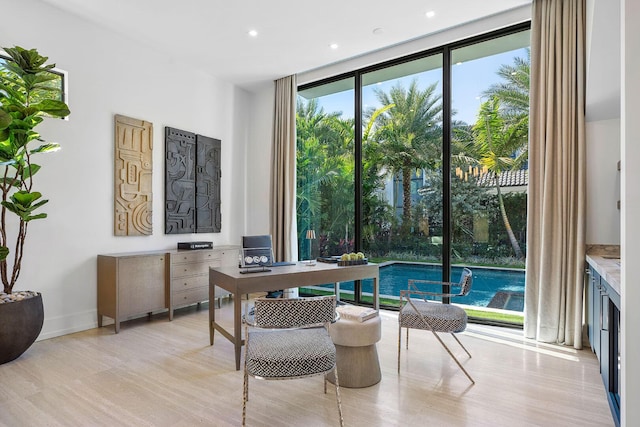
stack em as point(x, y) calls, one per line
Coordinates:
point(465, 281)
point(276, 313)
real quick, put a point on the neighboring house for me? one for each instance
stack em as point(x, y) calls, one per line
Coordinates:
point(511, 181)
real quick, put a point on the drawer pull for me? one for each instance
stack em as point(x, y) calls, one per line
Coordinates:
point(185, 283)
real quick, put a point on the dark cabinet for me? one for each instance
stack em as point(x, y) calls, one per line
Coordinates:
point(603, 324)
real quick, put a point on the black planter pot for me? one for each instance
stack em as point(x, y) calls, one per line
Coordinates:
point(20, 325)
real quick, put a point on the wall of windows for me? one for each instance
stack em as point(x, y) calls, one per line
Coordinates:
point(420, 159)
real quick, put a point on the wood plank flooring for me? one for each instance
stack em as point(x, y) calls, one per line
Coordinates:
point(161, 373)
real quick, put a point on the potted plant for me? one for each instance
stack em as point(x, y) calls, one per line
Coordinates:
point(27, 94)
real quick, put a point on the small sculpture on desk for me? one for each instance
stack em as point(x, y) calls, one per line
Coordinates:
point(256, 260)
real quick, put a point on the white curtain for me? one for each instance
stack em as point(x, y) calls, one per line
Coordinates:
point(283, 177)
point(557, 176)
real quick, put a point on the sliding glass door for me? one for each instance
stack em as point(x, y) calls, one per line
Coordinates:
point(490, 118)
point(420, 163)
point(402, 153)
point(325, 202)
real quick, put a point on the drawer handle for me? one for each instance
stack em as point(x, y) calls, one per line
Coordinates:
point(185, 283)
point(184, 297)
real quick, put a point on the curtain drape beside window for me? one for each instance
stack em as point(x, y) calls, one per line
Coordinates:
point(283, 177)
point(557, 175)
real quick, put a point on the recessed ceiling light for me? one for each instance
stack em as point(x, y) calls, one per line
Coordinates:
point(430, 14)
point(253, 33)
point(333, 45)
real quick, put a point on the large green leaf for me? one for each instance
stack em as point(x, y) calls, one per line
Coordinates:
point(52, 107)
point(28, 61)
point(29, 171)
point(5, 120)
point(32, 80)
point(23, 208)
point(39, 216)
point(25, 198)
point(46, 148)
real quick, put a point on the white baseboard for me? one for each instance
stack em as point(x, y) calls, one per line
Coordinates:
point(68, 324)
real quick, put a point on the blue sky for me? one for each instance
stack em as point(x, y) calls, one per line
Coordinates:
point(469, 80)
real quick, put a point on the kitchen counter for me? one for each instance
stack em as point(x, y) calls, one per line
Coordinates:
point(605, 260)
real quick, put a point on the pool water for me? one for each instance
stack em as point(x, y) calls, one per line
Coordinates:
point(492, 287)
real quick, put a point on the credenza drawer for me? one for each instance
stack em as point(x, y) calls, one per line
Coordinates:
point(185, 283)
point(186, 270)
point(190, 296)
point(195, 256)
point(188, 274)
point(193, 269)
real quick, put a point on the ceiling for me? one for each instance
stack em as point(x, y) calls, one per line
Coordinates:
point(293, 35)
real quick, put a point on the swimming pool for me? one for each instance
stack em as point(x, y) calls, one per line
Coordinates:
point(492, 287)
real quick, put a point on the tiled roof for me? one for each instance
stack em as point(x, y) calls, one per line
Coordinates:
point(510, 178)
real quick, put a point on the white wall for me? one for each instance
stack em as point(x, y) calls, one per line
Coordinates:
point(602, 114)
point(630, 188)
point(109, 74)
point(260, 162)
point(603, 181)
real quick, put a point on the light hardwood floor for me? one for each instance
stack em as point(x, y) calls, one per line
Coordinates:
point(161, 373)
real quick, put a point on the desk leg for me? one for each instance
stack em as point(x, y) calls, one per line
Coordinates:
point(237, 327)
point(212, 312)
point(376, 296)
point(336, 290)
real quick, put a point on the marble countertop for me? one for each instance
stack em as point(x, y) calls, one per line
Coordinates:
point(605, 259)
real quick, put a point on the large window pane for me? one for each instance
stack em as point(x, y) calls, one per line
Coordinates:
point(423, 202)
point(402, 162)
point(325, 170)
point(490, 100)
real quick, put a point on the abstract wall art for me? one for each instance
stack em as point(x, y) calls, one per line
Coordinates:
point(133, 195)
point(192, 183)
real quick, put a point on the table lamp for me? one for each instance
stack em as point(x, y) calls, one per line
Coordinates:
point(311, 234)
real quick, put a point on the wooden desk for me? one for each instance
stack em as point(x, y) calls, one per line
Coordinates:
point(282, 277)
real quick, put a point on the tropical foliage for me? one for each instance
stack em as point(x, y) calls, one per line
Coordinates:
point(26, 96)
point(402, 143)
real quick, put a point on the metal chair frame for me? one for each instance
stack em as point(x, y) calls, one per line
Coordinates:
point(406, 295)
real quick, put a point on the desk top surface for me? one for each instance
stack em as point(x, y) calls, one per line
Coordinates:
point(298, 268)
point(288, 276)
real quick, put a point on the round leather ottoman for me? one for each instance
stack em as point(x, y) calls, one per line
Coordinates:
point(357, 356)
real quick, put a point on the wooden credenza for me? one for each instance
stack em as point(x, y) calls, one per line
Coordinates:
point(189, 275)
point(138, 283)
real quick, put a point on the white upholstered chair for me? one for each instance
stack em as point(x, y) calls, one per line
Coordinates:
point(418, 312)
point(288, 339)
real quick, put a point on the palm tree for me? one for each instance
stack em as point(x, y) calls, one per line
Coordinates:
point(325, 172)
point(513, 93)
point(495, 142)
point(408, 134)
